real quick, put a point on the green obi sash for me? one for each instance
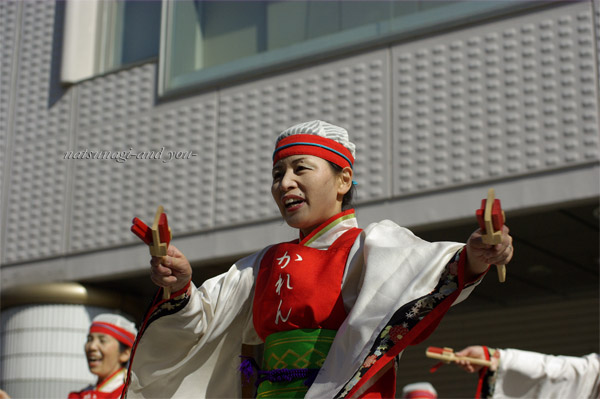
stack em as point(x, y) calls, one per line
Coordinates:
point(295, 349)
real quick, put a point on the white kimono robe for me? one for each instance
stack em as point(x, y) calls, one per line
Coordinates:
point(523, 374)
point(190, 347)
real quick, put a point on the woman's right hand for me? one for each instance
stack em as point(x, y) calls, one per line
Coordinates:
point(172, 271)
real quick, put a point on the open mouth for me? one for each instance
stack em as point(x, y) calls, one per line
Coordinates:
point(94, 361)
point(293, 203)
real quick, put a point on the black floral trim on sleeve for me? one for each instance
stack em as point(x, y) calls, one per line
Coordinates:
point(401, 324)
point(170, 306)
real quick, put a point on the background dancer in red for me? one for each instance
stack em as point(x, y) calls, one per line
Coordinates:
point(107, 350)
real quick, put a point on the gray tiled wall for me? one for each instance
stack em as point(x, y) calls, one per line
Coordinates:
point(107, 194)
point(35, 210)
point(513, 97)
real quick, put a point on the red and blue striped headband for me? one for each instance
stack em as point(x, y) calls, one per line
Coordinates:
point(120, 334)
point(311, 144)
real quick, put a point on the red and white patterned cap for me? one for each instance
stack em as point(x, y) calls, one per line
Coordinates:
point(318, 138)
point(116, 326)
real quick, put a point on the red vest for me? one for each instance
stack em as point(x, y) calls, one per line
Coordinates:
point(300, 287)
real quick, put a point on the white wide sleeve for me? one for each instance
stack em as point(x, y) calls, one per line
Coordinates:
point(194, 352)
point(390, 267)
point(523, 374)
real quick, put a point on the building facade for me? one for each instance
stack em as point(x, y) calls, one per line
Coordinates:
point(472, 98)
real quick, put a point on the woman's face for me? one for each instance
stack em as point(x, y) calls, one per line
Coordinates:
point(307, 191)
point(103, 355)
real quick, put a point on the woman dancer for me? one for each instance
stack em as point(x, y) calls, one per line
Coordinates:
point(333, 308)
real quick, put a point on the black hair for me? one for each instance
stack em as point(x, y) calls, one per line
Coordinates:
point(349, 196)
point(123, 348)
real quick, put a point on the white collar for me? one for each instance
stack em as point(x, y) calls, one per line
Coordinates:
point(113, 382)
point(326, 234)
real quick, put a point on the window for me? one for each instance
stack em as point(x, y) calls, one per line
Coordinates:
point(131, 32)
point(208, 42)
point(104, 35)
